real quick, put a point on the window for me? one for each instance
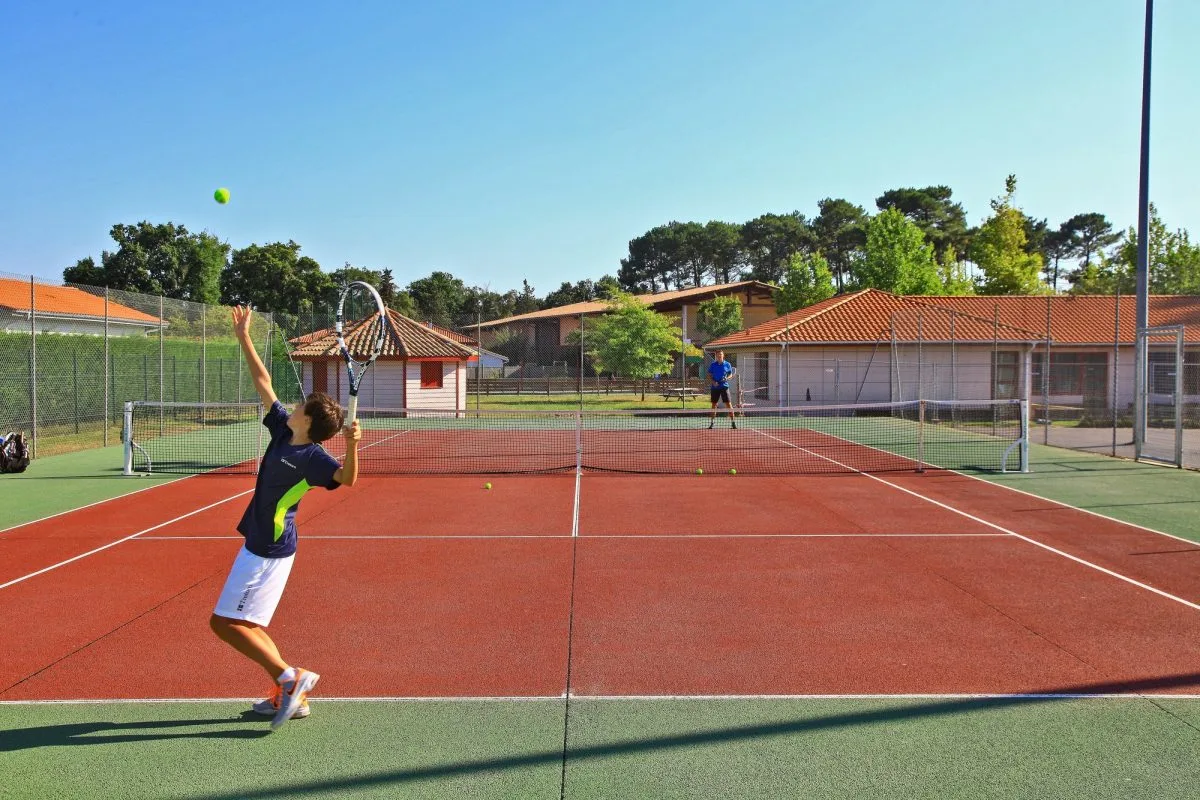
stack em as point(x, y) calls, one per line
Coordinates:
point(762, 378)
point(1006, 378)
point(1071, 373)
point(431, 375)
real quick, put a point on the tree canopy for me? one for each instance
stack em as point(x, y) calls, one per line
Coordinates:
point(918, 241)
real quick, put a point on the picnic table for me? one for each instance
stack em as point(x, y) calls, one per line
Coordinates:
point(681, 393)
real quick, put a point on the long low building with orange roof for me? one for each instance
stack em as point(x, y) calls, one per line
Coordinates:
point(874, 346)
point(67, 309)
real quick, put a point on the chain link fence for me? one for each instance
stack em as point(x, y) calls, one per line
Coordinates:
point(71, 355)
point(1079, 386)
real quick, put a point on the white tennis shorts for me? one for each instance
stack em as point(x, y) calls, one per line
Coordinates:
point(253, 588)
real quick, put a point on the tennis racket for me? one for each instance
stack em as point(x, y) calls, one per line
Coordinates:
point(361, 330)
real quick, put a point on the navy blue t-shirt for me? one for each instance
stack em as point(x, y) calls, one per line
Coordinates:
point(287, 472)
point(720, 371)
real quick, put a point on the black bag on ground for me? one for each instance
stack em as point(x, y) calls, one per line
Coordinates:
point(14, 452)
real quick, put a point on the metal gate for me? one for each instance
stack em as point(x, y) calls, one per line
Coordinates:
point(1158, 427)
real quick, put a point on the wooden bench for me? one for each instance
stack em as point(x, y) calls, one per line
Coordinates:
point(681, 393)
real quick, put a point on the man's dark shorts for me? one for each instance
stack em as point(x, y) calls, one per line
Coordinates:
point(715, 395)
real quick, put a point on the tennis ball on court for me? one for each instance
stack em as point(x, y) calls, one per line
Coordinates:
point(699, 471)
point(221, 195)
point(487, 486)
point(732, 471)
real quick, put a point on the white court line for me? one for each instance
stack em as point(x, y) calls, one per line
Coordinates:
point(731, 536)
point(981, 521)
point(790, 535)
point(119, 541)
point(97, 503)
point(1077, 508)
point(1012, 489)
point(386, 538)
point(618, 698)
point(575, 511)
point(456, 699)
point(139, 533)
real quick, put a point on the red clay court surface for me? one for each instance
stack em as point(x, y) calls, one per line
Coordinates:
point(845, 584)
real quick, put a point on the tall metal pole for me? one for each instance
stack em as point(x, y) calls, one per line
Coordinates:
point(33, 442)
point(107, 368)
point(1143, 249)
point(478, 352)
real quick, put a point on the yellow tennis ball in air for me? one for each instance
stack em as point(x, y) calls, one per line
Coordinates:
point(699, 471)
point(221, 195)
point(487, 486)
point(732, 471)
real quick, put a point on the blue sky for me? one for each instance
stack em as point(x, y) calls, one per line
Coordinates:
point(533, 140)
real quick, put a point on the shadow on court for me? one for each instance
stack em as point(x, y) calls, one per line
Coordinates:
point(129, 732)
point(935, 709)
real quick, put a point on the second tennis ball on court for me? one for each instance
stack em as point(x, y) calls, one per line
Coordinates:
point(487, 485)
point(732, 471)
point(699, 471)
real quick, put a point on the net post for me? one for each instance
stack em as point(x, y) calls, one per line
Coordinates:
point(261, 413)
point(578, 442)
point(127, 438)
point(920, 436)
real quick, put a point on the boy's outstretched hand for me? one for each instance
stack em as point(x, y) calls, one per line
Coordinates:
point(241, 320)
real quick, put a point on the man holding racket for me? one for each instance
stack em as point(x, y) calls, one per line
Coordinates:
point(294, 462)
point(720, 371)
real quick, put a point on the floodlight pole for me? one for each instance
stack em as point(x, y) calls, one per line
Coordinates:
point(478, 352)
point(1143, 248)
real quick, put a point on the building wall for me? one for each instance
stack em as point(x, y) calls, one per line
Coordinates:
point(450, 396)
point(381, 387)
point(827, 375)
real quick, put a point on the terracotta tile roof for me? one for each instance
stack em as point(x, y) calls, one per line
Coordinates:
point(656, 300)
point(66, 301)
point(867, 316)
point(406, 339)
point(461, 338)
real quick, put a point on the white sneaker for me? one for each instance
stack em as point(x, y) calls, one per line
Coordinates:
point(270, 705)
point(293, 693)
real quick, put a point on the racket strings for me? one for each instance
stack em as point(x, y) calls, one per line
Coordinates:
point(363, 326)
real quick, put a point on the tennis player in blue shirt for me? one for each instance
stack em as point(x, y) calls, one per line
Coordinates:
point(293, 463)
point(720, 371)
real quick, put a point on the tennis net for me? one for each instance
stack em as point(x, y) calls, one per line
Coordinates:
point(872, 437)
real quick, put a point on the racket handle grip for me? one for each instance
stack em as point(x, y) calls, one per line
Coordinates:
point(352, 409)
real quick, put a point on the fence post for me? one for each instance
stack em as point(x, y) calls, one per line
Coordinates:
point(32, 367)
point(75, 386)
point(203, 352)
point(1116, 367)
point(107, 368)
point(162, 375)
point(1046, 374)
point(145, 376)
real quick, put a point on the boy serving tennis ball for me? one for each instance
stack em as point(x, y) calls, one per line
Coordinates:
point(293, 463)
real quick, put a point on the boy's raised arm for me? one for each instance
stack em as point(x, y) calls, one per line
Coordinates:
point(258, 372)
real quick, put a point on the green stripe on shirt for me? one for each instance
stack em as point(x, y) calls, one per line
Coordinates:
point(291, 498)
